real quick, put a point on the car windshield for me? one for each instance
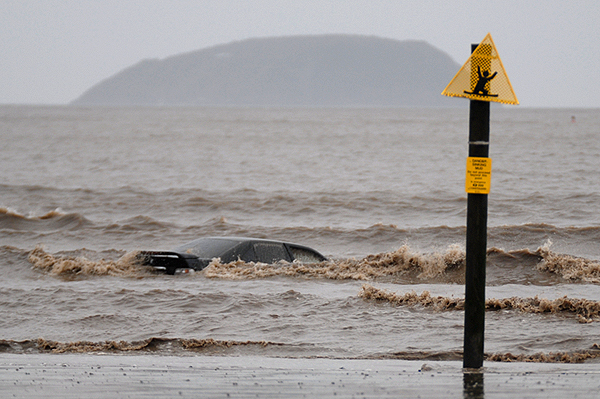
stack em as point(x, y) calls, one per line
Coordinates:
point(207, 248)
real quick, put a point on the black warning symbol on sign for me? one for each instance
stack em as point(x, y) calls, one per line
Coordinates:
point(484, 79)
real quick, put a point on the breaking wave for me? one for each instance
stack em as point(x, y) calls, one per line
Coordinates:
point(586, 310)
point(394, 263)
point(126, 266)
point(209, 346)
point(551, 357)
point(567, 266)
point(402, 264)
point(148, 345)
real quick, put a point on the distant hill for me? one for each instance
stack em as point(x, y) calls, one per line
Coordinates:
point(327, 70)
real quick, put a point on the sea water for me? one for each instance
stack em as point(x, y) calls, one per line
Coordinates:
point(379, 191)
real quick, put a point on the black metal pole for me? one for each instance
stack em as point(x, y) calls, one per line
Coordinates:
point(477, 204)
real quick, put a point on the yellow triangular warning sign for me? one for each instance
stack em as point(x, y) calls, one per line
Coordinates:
point(483, 77)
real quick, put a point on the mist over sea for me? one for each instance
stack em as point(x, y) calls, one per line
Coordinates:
point(379, 191)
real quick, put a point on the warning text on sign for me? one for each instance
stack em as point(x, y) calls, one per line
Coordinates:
point(479, 175)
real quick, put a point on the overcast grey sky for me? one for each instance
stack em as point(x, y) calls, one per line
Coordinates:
point(51, 51)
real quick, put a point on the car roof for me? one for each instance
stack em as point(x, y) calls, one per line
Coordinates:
point(210, 247)
point(239, 240)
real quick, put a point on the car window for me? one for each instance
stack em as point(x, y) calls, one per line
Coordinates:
point(304, 255)
point(268, 252)
point(248, 255)
point(207, 248)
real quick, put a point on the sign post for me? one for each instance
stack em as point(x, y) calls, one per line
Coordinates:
point(482, 79)
point(477, 210)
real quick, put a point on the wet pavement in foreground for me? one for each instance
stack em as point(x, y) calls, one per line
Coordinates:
point(145, 376)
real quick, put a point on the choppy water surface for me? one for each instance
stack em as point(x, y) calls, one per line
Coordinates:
point(378, 191)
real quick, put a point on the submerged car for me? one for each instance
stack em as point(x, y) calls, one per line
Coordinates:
point(196, 255)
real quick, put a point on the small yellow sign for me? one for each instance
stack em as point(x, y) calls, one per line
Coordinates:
point(483, 77)
point(479, 175)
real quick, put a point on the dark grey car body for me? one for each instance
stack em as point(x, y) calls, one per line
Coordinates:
point(196, 255)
